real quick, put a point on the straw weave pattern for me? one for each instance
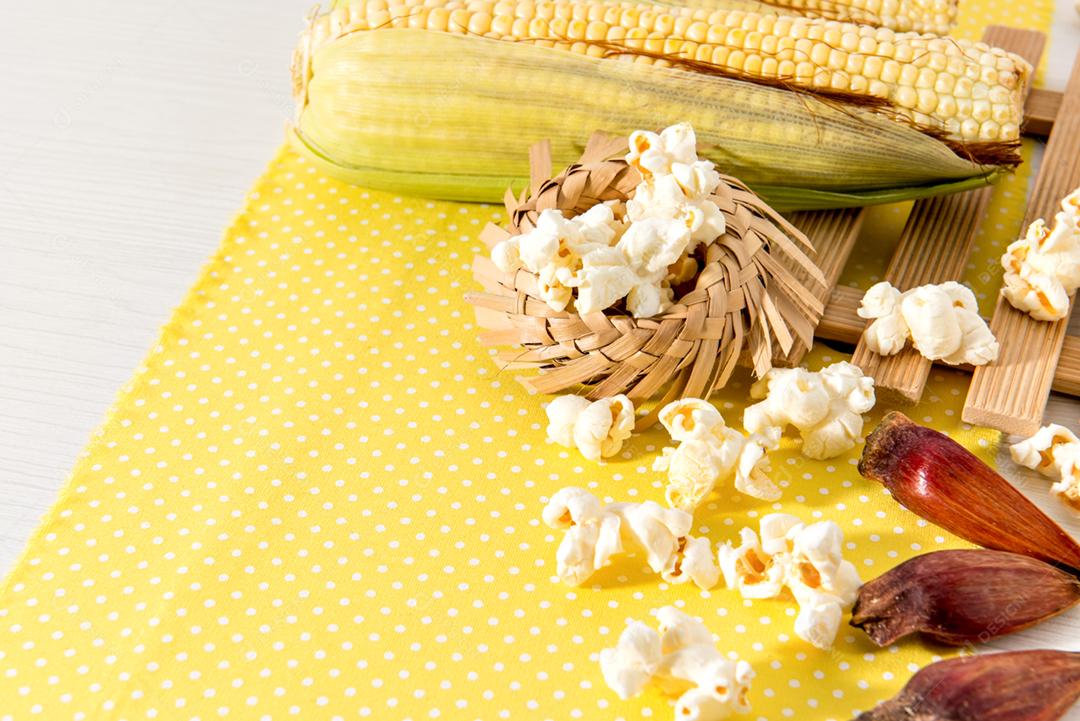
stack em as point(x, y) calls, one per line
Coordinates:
point(746, 297)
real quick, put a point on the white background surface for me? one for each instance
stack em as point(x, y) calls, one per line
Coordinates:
point(129, 133)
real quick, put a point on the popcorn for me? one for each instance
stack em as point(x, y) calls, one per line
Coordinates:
point(595, 533)
point(805, 559)
point(752, 470)
point(1070, 204)
point(888, 334)
point(597, 428)
point(629, 667)
point(670, 213)
point(603, 279)
point(659, 531)
point(683, 270)
point(676, 185)
point(598, 225)
point(683, 199)
point(679, 630)
point(826, 406)
point(649, 246)
point(652, 244)
point(550, 288)
point(682, 660)
point(1042, 269)
point(1054, 451)
point(942, 321)
point(818, 620)
point(646, 300)
point(604, 258)
point(655, 153)
point(591, 539)
point(692, 561)
point(696, 180)
point(507, 255)
point(749, 568)
point(554, 250)
point(709, 452)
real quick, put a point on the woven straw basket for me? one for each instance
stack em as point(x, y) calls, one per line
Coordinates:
point(747, 294)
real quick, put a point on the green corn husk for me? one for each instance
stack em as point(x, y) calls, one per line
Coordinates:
point(451, 117)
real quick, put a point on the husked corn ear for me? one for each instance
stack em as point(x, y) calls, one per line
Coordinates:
point(921, 16)
point(968, 90)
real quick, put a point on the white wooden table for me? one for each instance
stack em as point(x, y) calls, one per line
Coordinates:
point(129, 133)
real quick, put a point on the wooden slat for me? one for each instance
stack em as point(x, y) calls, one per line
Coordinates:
point(842, 325)
point(1067, 374)
point(840, 321)
point(1040, 111)
point(1010, 394)
point(934, 247)
point(833, 234)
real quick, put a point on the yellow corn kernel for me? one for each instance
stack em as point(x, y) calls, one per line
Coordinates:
point(479, 23)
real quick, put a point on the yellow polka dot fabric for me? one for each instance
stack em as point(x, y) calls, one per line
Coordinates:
point(319, 499)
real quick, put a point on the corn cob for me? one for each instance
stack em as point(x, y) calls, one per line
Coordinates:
point(962, 96)
point(921, 16)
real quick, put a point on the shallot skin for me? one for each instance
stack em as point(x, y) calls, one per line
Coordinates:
point(962, 596)
point(936, 478)
point(1014, 686)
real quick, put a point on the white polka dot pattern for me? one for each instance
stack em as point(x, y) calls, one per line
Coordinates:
point(319, 499)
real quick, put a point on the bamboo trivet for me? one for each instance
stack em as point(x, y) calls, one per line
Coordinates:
point(834, 234)
point(1010, 394)
point(934, 247)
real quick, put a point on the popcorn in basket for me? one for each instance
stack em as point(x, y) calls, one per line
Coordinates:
point(638, 273)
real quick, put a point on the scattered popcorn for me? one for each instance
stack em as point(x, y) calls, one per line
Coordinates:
point(595, 533)
point(888, 334)
point(1054, 451)
point(682, 660)
point(805, 559)
point(692, 561)
point(942, 321)
point(629, 667)
point(826, 406)
point(1042, 269)
point(753, 468)
point(749, 568)
point(679, 630)
point(596, 428)
point(709, 452)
